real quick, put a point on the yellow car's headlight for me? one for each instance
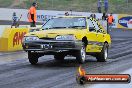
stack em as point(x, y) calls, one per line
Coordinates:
point(30, 38)
point(65, 37)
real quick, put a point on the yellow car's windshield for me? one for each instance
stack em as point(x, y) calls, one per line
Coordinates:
point(59, 23)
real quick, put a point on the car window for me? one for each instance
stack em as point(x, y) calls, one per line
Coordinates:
point(97, 28)
point(59, 23)
point(101, 26)
point(91, 25)
point(95, 25)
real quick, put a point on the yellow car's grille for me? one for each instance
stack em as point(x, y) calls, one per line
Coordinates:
point(47, 38)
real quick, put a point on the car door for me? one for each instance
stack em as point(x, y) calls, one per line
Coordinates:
point(92, 37)
point(100, 35)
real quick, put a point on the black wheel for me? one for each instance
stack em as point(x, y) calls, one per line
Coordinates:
point(81, 54)
point(33, 58)
point(59, 57)
point(102, 57)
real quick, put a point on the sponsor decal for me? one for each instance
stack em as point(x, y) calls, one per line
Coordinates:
point(17, 39)
point(44, 17)
point(126, 21)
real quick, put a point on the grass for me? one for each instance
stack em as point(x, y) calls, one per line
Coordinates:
point(115, 6)
point(5, 3)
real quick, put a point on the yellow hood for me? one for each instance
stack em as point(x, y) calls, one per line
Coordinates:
point(52, 33)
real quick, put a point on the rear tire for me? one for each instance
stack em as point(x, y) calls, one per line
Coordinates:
point(33, 58)
point(102, 57)
point(81, 54)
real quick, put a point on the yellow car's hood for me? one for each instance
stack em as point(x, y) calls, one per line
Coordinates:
point(52, 33)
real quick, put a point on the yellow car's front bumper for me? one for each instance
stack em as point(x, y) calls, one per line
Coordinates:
point(51, 45)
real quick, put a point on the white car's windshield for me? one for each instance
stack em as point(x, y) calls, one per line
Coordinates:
point(58, 23)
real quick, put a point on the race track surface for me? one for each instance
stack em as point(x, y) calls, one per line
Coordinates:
point(16, 71)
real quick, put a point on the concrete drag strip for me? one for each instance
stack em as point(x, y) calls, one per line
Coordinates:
point(18, 73)
point(12, 56)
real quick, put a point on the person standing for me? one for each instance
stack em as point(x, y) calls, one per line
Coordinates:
point(99, 6)
point(93, 16)
point(32, 17)
point(104, 17)
point(66, 14)
point(14, 20)
point(106, 4)
point(104, 22)
point(110, 21)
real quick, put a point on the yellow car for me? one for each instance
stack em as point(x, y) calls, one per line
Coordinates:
point(70, 35)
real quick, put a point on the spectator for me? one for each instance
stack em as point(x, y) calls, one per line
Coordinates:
point(104, 17)
point(106, 5)
point(110, 21)
point(99, 6)
point(66, 14)
point(93, 16)
point(32, 17)
point(14, 20)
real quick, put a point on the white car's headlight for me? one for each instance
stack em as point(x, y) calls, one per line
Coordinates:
point(30, 38)
point(66, 37)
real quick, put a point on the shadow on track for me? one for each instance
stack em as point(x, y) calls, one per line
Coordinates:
point(68, 62)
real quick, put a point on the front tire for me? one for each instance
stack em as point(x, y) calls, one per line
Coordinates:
point(81, 54)
point(103, 56)
point(33, 58)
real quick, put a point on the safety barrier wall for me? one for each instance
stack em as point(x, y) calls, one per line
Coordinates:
point(11, 39)
point(42, 15)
